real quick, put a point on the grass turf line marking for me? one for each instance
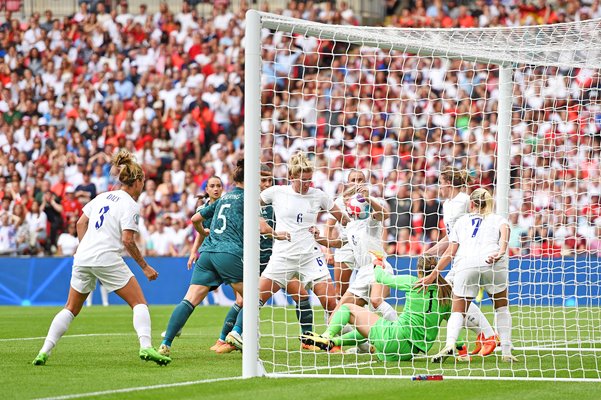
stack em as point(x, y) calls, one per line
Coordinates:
point(77, 336)
point(139, 388)
point(67, 336)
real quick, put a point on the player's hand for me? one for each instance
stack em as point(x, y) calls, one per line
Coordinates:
point(363, 190)
point(422, 284)
point(150, 273)
point(493, 258)
point(314, 231)
point(281, 236)
point(192, 260)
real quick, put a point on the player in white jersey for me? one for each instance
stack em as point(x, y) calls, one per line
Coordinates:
point(365, 242)
point(296, 207)
point(478, 247)
point(105, 229)
point(344, 260)
point(453, 183)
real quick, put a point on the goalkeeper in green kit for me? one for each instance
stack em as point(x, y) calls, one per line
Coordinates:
point(413, 332)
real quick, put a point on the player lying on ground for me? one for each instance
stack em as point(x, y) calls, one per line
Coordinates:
point(220, 258)
point(453, 184)
point(478, 249)
point(107, 226)
point(413, 332)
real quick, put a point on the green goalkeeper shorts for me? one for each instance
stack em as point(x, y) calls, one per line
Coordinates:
point(391, 341)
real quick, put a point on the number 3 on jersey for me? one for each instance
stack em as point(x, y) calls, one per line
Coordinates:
point(100, 221)
point(476, 223)
point(221, 217)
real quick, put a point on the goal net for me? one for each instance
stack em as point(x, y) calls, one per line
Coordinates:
point(518, 108)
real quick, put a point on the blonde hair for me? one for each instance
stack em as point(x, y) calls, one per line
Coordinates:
point(299, 164)
point(127, 169)
point(457, 177)
point(425, 265)
point(483, 200)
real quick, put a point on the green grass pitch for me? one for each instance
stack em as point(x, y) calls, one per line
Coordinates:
point(99, 354)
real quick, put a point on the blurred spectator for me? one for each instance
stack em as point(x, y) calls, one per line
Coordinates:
point(67, 241)
point(169, 87)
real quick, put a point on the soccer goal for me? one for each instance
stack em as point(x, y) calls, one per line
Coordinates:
point(519, 108)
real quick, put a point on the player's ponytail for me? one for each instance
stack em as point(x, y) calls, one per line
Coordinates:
point(456, 177)
point(482, 199)
point(299, 164)
point(127, 169)
point(239, 171)
point(425, 265)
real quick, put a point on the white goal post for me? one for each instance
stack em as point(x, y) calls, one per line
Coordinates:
point(572, 47)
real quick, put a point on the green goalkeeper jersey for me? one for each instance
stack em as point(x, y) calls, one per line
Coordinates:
point(422, 314)
point(227, 224)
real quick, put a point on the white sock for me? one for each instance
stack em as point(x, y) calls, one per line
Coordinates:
point(453, 328)
point(347, 328)
point(104, 295)
point(142, 325)
point(477, 322)
point(503, 325)
point(57, 329)
point(387, 312)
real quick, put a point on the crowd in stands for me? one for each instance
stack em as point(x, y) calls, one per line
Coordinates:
point(169, 87)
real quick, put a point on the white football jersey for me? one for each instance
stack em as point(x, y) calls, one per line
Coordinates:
point(478, 238)
point(453, 209)
point(365, 235)
point(110, 213)
point(296, 213)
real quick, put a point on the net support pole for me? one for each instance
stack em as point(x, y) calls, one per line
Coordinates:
point(504, 140)
point(252, 149)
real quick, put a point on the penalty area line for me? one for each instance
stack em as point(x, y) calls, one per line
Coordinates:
point(140, 388)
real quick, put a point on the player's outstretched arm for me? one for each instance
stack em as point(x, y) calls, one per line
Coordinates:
point(129, 242)
point(399, 282)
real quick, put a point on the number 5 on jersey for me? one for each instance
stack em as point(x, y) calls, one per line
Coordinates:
point(221, 216)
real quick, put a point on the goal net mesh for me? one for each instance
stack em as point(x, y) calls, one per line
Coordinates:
point(402, 104)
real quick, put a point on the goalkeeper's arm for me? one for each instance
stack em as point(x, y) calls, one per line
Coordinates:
point(399, 282)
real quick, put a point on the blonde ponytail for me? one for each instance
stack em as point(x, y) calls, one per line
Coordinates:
point(483, 200)
point(127, 169)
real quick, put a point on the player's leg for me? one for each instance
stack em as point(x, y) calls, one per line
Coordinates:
point(464, 290)
point(132, 294)
point(83, 281)
point(361, 318)
point(104, 296)
point(228, 324)
point(377, 297)
point(234, 338)
point(325, 292)
point(342, 276)
point(304, 311)
point(60, 324)
point(503, 324)
point(204, 278)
